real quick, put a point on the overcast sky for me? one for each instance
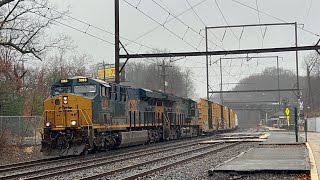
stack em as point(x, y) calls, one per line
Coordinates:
point(183, 31)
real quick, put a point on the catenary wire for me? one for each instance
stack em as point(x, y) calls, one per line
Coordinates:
point(273, 17)
point(189, 27)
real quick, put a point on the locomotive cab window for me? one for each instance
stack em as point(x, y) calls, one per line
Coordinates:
point(85, 90)
point(60, 90)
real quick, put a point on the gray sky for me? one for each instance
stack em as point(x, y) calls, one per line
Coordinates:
point(133, 24)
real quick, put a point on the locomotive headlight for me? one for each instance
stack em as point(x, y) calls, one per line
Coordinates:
point(65, 100)
point(73, 122)
point(48, 124)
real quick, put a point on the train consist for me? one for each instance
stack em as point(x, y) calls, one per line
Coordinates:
point(86, 115)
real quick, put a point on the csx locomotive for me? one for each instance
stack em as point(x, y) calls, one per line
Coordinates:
point(86, 115)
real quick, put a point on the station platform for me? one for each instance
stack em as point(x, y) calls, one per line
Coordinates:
point(283, 138)
point(313, 142)
point(279, 153)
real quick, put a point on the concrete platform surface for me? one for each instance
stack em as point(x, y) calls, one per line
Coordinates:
point(314, 142)
point(274, 129)
point(231, 141)
point(241, 134)
point(269, 159)
point(283, 138)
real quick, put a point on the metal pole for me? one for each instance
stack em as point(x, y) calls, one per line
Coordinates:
point(164, 76)
point(278, 72)
point(104, 71)
point(208, 97)
point(252, 25)
point(221, 95)
point(116, 41)
point(207, 63)
point(306, 127)
point(296, 122)
point(228, 52)
point(297, 111)
point(297, 60)
point(266, 116)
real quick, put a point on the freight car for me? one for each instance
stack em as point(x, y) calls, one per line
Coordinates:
point(85, 114)
point(216, 118)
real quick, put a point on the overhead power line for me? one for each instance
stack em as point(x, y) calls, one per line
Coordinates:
point(96, 27)
point(91, 26)
point(225, 20)
point(168, 28)
point(169, 20)
point(185, 24)
point(160, 24)
point(202, 20)
point(273, 17)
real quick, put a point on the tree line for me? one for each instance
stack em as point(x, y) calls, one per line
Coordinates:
point(31, 59)
point(153, 76)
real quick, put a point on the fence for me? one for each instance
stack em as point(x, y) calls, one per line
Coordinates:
point(21, 130)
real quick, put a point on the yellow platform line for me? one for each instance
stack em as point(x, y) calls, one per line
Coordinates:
point(314, 172)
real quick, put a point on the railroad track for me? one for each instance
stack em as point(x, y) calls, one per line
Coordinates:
point(194, 154)
point(101, 159)
point(21, 165)
point(17, 166)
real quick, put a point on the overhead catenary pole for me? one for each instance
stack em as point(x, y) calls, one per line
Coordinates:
point(297, 109)
point(221, 95)
point(207, 63)
point(208, 86)
point(116, 41)
point(164, 75)
point(278, 74)
point(297, 59)
point(104, 71)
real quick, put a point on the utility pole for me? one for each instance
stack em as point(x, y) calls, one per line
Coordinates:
point(221, 95)
point(278, 74)
point(104, 71)
point(164, 66)
point(116, 41)
point(297, 60)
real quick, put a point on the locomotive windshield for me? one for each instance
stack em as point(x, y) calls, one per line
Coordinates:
point(59, 90)
point(85, 90)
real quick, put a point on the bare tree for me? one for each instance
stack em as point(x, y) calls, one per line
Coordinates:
point(150, 76)
point(310, 63)
point(23, 24)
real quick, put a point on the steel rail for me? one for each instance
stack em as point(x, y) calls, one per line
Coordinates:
point(15, 166)
point(27, 164)
point(157, 160)
point(106, 160)
point(163, 167)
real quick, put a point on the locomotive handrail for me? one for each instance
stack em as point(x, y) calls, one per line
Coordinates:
point(86, 121)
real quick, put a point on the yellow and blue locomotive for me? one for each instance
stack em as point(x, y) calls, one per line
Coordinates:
point(85, 114)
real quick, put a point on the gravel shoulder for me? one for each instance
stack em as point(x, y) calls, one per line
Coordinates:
point(15, 154)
